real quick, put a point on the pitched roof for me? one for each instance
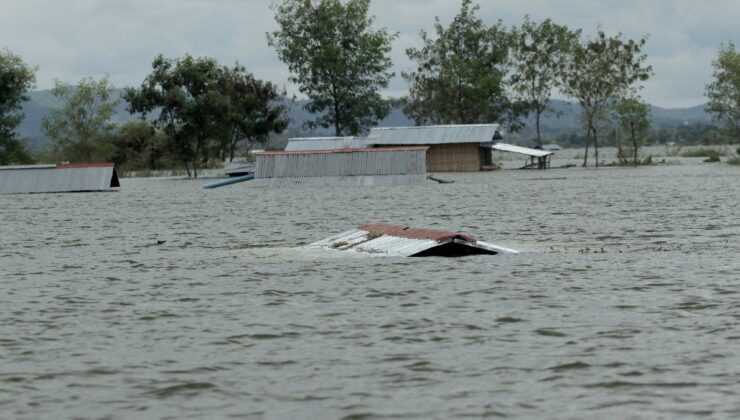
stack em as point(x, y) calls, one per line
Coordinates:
point(63, 177)
point(435, 134)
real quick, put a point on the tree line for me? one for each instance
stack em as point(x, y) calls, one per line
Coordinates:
point(195, 111)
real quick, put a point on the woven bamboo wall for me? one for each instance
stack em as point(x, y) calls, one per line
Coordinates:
point(455, 157)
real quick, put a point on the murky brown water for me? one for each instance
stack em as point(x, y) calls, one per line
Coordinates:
point(624, 303)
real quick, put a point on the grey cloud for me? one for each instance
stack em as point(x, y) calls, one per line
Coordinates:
point(73, 39)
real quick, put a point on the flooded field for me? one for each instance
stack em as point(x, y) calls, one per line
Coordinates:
point(625, 300)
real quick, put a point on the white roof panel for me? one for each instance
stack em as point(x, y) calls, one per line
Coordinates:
point(503, 147)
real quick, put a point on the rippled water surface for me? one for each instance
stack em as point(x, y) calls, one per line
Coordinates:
point(623, 303)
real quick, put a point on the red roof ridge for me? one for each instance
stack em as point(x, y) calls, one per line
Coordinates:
point(415, 233)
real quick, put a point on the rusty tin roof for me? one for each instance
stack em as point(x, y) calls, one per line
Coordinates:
point(405, 241)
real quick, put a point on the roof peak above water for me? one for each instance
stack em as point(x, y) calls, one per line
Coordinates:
point(435, 134)
point(401, 231)
point(422, 127)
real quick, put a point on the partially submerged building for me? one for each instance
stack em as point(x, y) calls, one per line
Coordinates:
point(343, 167)
point(62, 177)
point(405, 241)
point(452, 148)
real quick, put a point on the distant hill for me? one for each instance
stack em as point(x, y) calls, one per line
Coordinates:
point(565, 118)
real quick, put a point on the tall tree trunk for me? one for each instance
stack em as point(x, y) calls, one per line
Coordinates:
point(195, 158)
point(634, 143)
point(337, 131)
point(596, 147)
point(232, 146)
point(539, 137)
point(588, 142)
point(335, 98)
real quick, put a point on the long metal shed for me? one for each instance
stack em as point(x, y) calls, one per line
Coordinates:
point(343, 167)
point(452, 148)
point(69, 177)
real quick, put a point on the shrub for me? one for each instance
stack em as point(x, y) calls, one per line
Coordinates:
point(734, 161)
point(707, 153)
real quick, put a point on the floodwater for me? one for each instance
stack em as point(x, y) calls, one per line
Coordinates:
point(625, 300)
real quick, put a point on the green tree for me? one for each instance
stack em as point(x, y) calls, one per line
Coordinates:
point(16, 80)
point(633, 117)
point(459, 74)
point(338, 61)
point(540, 54)
point(139, 146)
point(256, 109)
point(601, 69)
point(724, 92)
point(80, 130)
point(192, 107)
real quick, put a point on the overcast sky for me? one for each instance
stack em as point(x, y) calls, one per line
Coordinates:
point(71, 39)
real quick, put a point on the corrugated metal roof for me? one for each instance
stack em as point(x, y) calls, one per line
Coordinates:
point(435, 134)
point(403, 241)
point(325, 143)
point(13, 167)
point(503, 147)
point(58, 178)
point(84, 165)
point(333, 165)
point(362, 150)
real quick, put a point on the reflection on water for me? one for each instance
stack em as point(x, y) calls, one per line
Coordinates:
point(623, 303)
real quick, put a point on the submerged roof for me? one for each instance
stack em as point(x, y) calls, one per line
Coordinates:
point(435, 134)
point(503, 147)
point(404, 241)
point(325, 143)
point(63, 177)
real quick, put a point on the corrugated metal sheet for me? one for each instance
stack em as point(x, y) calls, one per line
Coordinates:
point(59, 178)
point(403, 241)
point(333, 165)
point(435, 134)
point(27, 167)
point(325, 143)
point(342, 181)
point(503, 147)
